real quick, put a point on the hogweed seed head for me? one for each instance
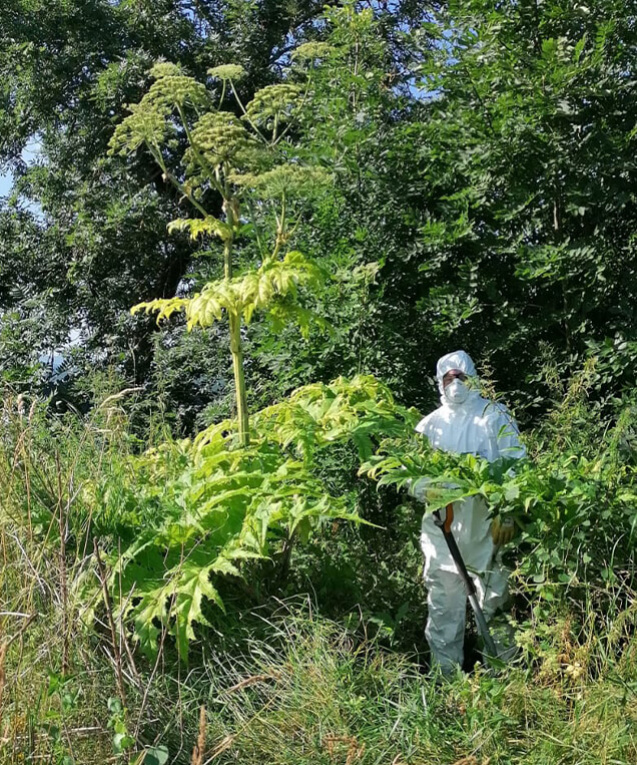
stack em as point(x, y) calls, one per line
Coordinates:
point(220, 138)
point(228, 72)
point(286, 180)
point(274, 101)
point(310, 51)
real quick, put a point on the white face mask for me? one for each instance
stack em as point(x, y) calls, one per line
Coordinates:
point(456, 392)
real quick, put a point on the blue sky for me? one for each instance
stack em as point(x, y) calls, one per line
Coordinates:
point(5, 185)
point(30, 154)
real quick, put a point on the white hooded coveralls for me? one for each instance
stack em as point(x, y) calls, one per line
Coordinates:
point(477, 426)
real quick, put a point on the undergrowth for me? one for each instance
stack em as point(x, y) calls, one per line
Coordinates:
point(321, 660)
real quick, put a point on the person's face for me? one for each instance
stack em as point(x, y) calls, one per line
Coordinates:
point(451, 375)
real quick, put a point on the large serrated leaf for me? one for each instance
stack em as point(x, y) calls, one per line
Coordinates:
point(191, 587)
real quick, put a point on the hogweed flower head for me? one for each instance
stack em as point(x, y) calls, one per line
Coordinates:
point(274, 101)
point(227, 72)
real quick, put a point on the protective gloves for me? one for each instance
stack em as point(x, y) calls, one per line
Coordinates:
point(502, 530)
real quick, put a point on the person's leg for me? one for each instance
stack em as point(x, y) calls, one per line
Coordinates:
point(446, 601)
point(493, 595)
point(493, 589)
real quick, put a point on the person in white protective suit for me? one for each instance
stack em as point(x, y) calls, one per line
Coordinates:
point(464, 423)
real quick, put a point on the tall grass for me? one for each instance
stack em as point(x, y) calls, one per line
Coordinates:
point(54, 679)
point(311, 693)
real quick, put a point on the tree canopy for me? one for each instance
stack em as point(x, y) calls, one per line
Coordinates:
point(483, 163)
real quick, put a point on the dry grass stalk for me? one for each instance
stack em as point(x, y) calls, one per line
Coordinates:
point(63, 573)
point(4, 647)
point(248, 681)
point(3, 677)
point(354, 753)
point(334, 744)
point(197, 752)
point(111, 621)
point(225, 744)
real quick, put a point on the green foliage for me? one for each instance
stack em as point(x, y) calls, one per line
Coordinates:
point(203, 508)
point(312, 692)
point(523, 136)
point(243, 295)
point(575, 627)
point(221, 152)
point(464, 182)
point(481, 160)
point(361, 409)
point(84, 237)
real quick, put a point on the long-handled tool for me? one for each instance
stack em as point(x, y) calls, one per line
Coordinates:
point(445, 526)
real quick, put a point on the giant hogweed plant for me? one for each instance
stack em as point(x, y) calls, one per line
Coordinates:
point(189, 512)
point(195, 510)
point(235, 160)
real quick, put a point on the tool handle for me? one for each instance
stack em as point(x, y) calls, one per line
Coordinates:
point(445, 526)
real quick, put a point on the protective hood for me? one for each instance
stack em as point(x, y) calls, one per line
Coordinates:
point(462, 361)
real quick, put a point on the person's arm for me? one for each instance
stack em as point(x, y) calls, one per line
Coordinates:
point(506, 435)
point(508, 445)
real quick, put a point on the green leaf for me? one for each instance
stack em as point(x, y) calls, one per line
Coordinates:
point(512, 492)
point(192, 585)
point(122, 742)
point(114, 705)
point(156, 755)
